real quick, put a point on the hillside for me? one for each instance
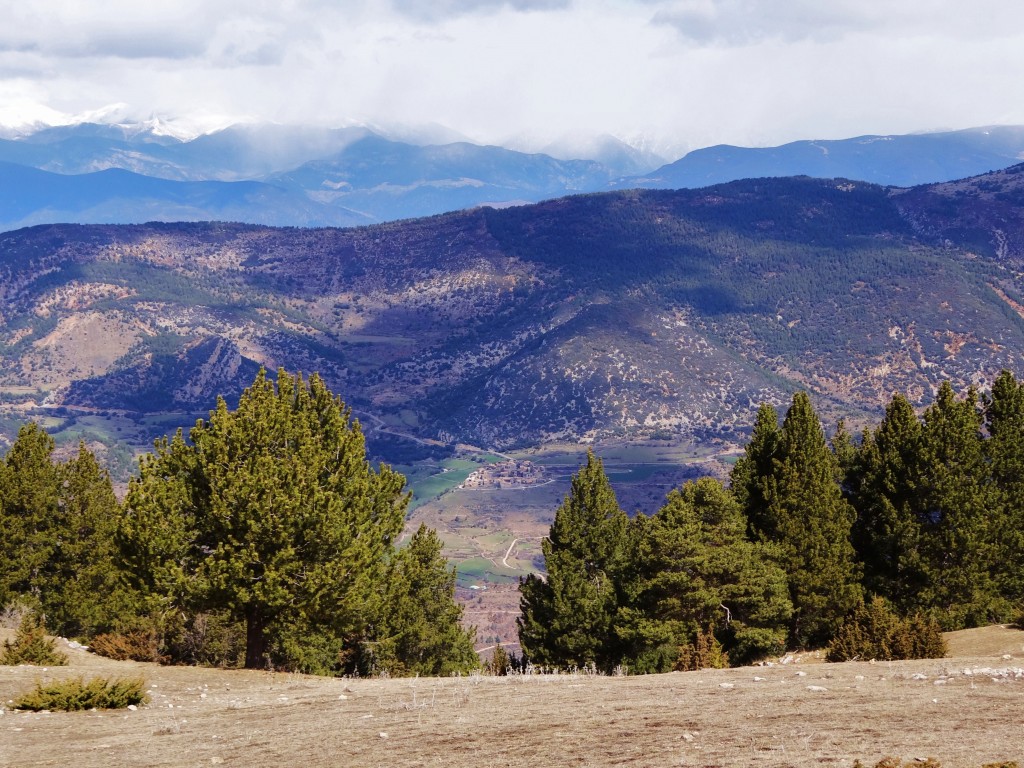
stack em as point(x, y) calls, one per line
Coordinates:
point(901, 160)
point(961, 711)
point(635, 315)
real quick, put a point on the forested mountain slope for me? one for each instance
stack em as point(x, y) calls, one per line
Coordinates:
point(637, 314)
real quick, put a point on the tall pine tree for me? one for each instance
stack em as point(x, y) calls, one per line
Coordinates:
point(568, 618)
point(806, 515)
point(890, 508)
point(1004, 452)
point(959, 558)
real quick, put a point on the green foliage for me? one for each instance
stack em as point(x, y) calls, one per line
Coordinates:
point(568, 618)
point(421, 632)
point(789, 484)
point(272, 513)
point(1004, 454)
point(58, 551)
point(28, 513)
point(704, 653)
point(960, 561)
point(692, 568)
point(31, 646)
point(76, 695)
point(83, 591)
point(891, 514)
point(873, 631)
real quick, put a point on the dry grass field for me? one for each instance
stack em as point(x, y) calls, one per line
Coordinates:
point(803, 713)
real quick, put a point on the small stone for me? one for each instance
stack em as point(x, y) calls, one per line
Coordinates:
point(801, 674)
point(726, 686)
point(1007, 655)
point(342, 697)
point(858, 678)
point(202, 695)
point(817, 688)
point(919, 676)
point(687, 737)
point(383, 735)
point(132, 707)
point(940, 682)
point(759, 679)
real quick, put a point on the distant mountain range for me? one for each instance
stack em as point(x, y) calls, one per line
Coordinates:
point(306, 176)
point(634, 315)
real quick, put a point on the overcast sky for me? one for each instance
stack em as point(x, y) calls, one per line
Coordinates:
point(684, 73)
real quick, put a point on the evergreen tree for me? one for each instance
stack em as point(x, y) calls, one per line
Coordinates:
point(567, 618)
point(960, 561)
point(750, 474)
point(82, 592)
point(890, 510)
point(421, 632)
point(811, 522)
point(29, 513)
point(1004, 421)
point(271, 512)
point(694, 568)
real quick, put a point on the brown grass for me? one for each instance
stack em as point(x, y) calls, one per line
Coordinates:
point(210, 717)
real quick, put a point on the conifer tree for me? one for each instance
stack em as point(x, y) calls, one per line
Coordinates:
point(1004, 422)
point(568, 618)
point(751, 473)
point(28, 513)
point(271, 512)
point(694, 568)
point(960, 561)
point(82, 592)
point(420, 631)
point(890, 507)
point(811, 522)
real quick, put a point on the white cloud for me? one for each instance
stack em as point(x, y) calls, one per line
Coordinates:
point(688, 72)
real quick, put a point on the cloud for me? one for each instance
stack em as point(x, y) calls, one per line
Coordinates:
point(680, 73)
point(746, 22)
point(445, 9)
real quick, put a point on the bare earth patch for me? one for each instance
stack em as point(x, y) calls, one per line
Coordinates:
point(964, 711)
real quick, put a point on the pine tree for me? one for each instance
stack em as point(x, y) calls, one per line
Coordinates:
point(82, 592)
point(694, 568)
point(750, 474)
point(960, 559)
point(1004, 453)
point(28, 513)
point(890, 508)
point(811, 522)
point(567, 619)
point(421, 632)
point(271, 512)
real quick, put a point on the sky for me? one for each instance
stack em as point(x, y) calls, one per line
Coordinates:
point(668, 74)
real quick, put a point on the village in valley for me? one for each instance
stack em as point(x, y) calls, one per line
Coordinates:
point(505, 475)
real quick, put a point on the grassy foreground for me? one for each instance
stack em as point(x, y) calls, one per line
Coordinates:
point(755, 716)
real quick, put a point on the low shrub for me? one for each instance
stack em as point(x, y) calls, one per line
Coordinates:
point(873, 631)
point(75, 694)
point(131, 645)
point(704, 653)
point(31, 646)
point(499, 663)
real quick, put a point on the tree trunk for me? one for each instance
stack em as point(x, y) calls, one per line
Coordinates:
point(255, 639)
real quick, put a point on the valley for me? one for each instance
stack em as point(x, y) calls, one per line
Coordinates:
point(647, 325)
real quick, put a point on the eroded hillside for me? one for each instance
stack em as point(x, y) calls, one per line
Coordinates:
point(632, 315)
